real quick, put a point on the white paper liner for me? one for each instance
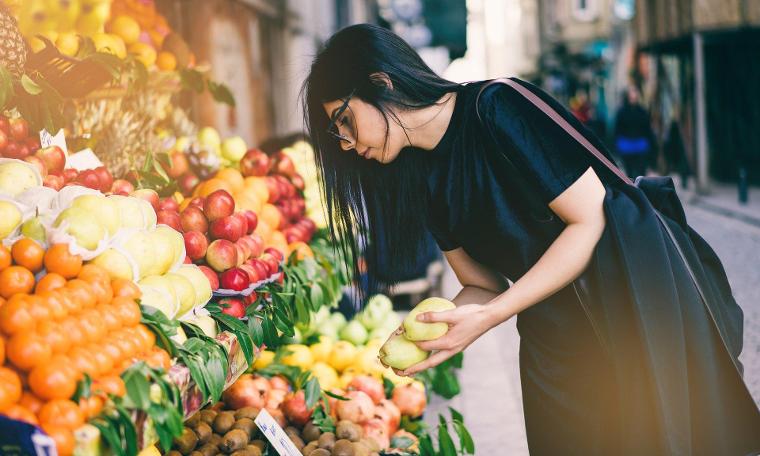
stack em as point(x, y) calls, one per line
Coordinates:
point(37, 175)
point(37, 200)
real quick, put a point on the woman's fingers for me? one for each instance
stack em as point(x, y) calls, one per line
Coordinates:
point(432, 361)
point(445, 316)
point(442, 343)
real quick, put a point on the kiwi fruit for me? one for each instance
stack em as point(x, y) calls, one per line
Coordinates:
point(196, 453)
point(253, 450)
point(208, 416)
point(247, 412)
point(186, 442)
point(348, 430)
point(308, 449)
point(371, 444)
point(203, 431)
point(234, 440)
point(259, 443)
point(320, 452)
point(297, 441)
point(343, 447)
point(360, 449)
point(246, 452)
point(223, 422)
point(310, 432)
point(327, 440)
point(215, 440)
point(193, 420)
point(247, 425)
point(174, 453)
point(209, 450)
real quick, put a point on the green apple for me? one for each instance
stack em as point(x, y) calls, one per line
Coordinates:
point(338, 320)
point(234, 148)
point(116, 264)
point(185, 291)
point(417, 330)
point(106, 210)
point(140, 247)
point(82, 226)
point(328, 329)
point(200, 283)
point(34, 229)
point(354, 332)
point(159, 298)
point(321, 316)
point(208, 136)
point(174, 238)
point(130, 211)
point(10, 217)
point(17, 176)
point(400, 353)
point(163, 255)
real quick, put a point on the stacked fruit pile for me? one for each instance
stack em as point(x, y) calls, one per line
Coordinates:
point(71, 321)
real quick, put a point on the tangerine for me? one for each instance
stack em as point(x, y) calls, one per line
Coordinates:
point(111, 384)
point(54, 336)
point(5, 257)
point(81, 293)
point(102, 290)
point(212, 185)
point(55, 304)
point(54, 380)
point(27, 350)
point(30, 402)
point(50, 281)
point(63, 438)
point(60, 260)
point(93, 272)
point(92, 326)
point(2, 351)
point(70, 327)
point(129, 311)
point(166, 61)
point(158, 358)
point(15, 279)
point(126, 288)
point(28, 253)
point(233, 178)
point(10, 388)
point(20, 413)
point(61, 412)
point(271, 215)
point(129, 346)
point(146, 337)
point(90, 406)
point(110, 316)
point(39, 310)
point(82, 361)
point(16, 316)
point(103, 362)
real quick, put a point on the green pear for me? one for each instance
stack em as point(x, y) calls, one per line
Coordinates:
point(82, 226)
point(175, 239)
point(400, 353)
point(417, 330)
point(205, 322)
point(354, 332)
point(34, 229)
point(162, 284)
point(106, 210)
point(338, 320)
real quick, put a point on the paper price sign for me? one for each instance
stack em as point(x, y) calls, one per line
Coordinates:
point(276, 435)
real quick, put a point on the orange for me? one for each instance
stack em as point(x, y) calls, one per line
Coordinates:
point(27, 350)
point(232, 177)
point(125, 27)
point(5, 257)
point(212, 185)
point(28, 253)
point(166, 61)
point(2, 351)
point(15, 279)
point(55, 305)
point(129, 311)
point(158, 358)
point(63, 438)
point(110, 317)
point(90, 406)
point(271, 216)
point(264, 230)
point(39, 309)
point(53, 334)
point(278, 241)
point(258, 185)
point(58, 259)
point(111, 384)
point(103, 362)
point(53, 380)
point(10, 388)
point(92, 326)
point(127, 288)
point(16, 316)
point(129, 347)
point(70, 327)
point(82, 361)
point(50, 281)
point(61, 412)
point(30, 402)
point(146, 337)
point(81, 293)
point(20, 413)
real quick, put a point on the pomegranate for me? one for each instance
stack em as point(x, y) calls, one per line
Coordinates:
point(279, 383)
point(370, 385)
point(410, 400)
point(376, 430)
point(246, 391)
point(295, 408)
point(387, 411)
point(358, 409)
point(278, 416)
point(276, 397)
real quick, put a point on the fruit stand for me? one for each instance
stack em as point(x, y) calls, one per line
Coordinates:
point(164, 290)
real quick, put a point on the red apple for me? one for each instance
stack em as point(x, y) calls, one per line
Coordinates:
point(32, 143)
point(198, 202)
point(229, 228)
point(240, 254)
point(243, 220)
point(233, 307)
point(187, 260)
point(16, 150)
point(218, 204)
point(148, 195)
point(187, 183)
point(261, 268)
point(257, 239)
point(89, 179)
point(192, 219)
point(196, 245)
point(253, 275)
point(275, 252)
point(272, 264)
point(213, 278)
point(19, 129)
point(4, 140)
point(53, 181)
point(168, 204)
point(5, 125)
point(274, 189)
point(178, 164)
point(254, 163)
point(221, 255)
point(38, 163)
point(298, 182)
point(105, 178)
point(122, 187)
point(234, 279)
point(253, 220)
point(250, 299)
point(285, 165)
point(170, 218)
point(245, 249)
point(309, 224)
point(70, 174)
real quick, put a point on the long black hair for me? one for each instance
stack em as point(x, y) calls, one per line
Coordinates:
point(379, 207)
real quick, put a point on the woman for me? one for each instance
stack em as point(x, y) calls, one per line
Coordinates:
point(634, 139)
point(618, 355)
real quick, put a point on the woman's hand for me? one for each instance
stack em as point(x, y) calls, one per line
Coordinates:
point(466, 323)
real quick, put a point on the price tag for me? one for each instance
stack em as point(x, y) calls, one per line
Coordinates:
point(276, 436)
point(82, 160)
point(47, 140)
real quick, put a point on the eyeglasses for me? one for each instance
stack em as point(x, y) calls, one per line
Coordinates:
point(332, 128)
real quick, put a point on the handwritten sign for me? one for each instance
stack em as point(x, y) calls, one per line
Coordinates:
point(276, 436)
point(82, 160)
point(48, 140)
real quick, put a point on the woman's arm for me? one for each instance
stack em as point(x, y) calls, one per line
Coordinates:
point(581, 208)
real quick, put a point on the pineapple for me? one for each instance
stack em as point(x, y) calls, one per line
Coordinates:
point(12, 45)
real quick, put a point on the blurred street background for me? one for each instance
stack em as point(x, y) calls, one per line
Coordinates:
point(673, 87)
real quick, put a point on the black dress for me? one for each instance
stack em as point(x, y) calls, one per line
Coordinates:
point(624, 361)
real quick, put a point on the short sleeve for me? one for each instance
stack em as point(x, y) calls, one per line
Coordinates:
point(536, 145)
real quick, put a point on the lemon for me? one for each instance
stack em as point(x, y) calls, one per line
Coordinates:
point(342, 355)
point(265, 358)
point(126, 28)
point(144, 53)
point(300, 356)
point(68, 43)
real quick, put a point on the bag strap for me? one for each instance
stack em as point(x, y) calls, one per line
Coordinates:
point(559, 120)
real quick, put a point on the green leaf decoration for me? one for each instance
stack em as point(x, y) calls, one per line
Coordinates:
point(445, 444)
point(192, 79)
point(221, 93)
point(312, 392)
point(31, 87)
point(467, 445)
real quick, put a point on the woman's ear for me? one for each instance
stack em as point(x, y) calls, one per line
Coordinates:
point(381, 79)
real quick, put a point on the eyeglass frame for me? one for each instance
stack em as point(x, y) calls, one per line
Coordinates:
point(331, 128)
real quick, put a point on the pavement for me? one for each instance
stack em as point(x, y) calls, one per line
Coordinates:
point(491, 399)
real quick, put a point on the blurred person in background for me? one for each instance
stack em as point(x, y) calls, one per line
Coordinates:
point(675, 151)
point(618, 353)
point(635, 141)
